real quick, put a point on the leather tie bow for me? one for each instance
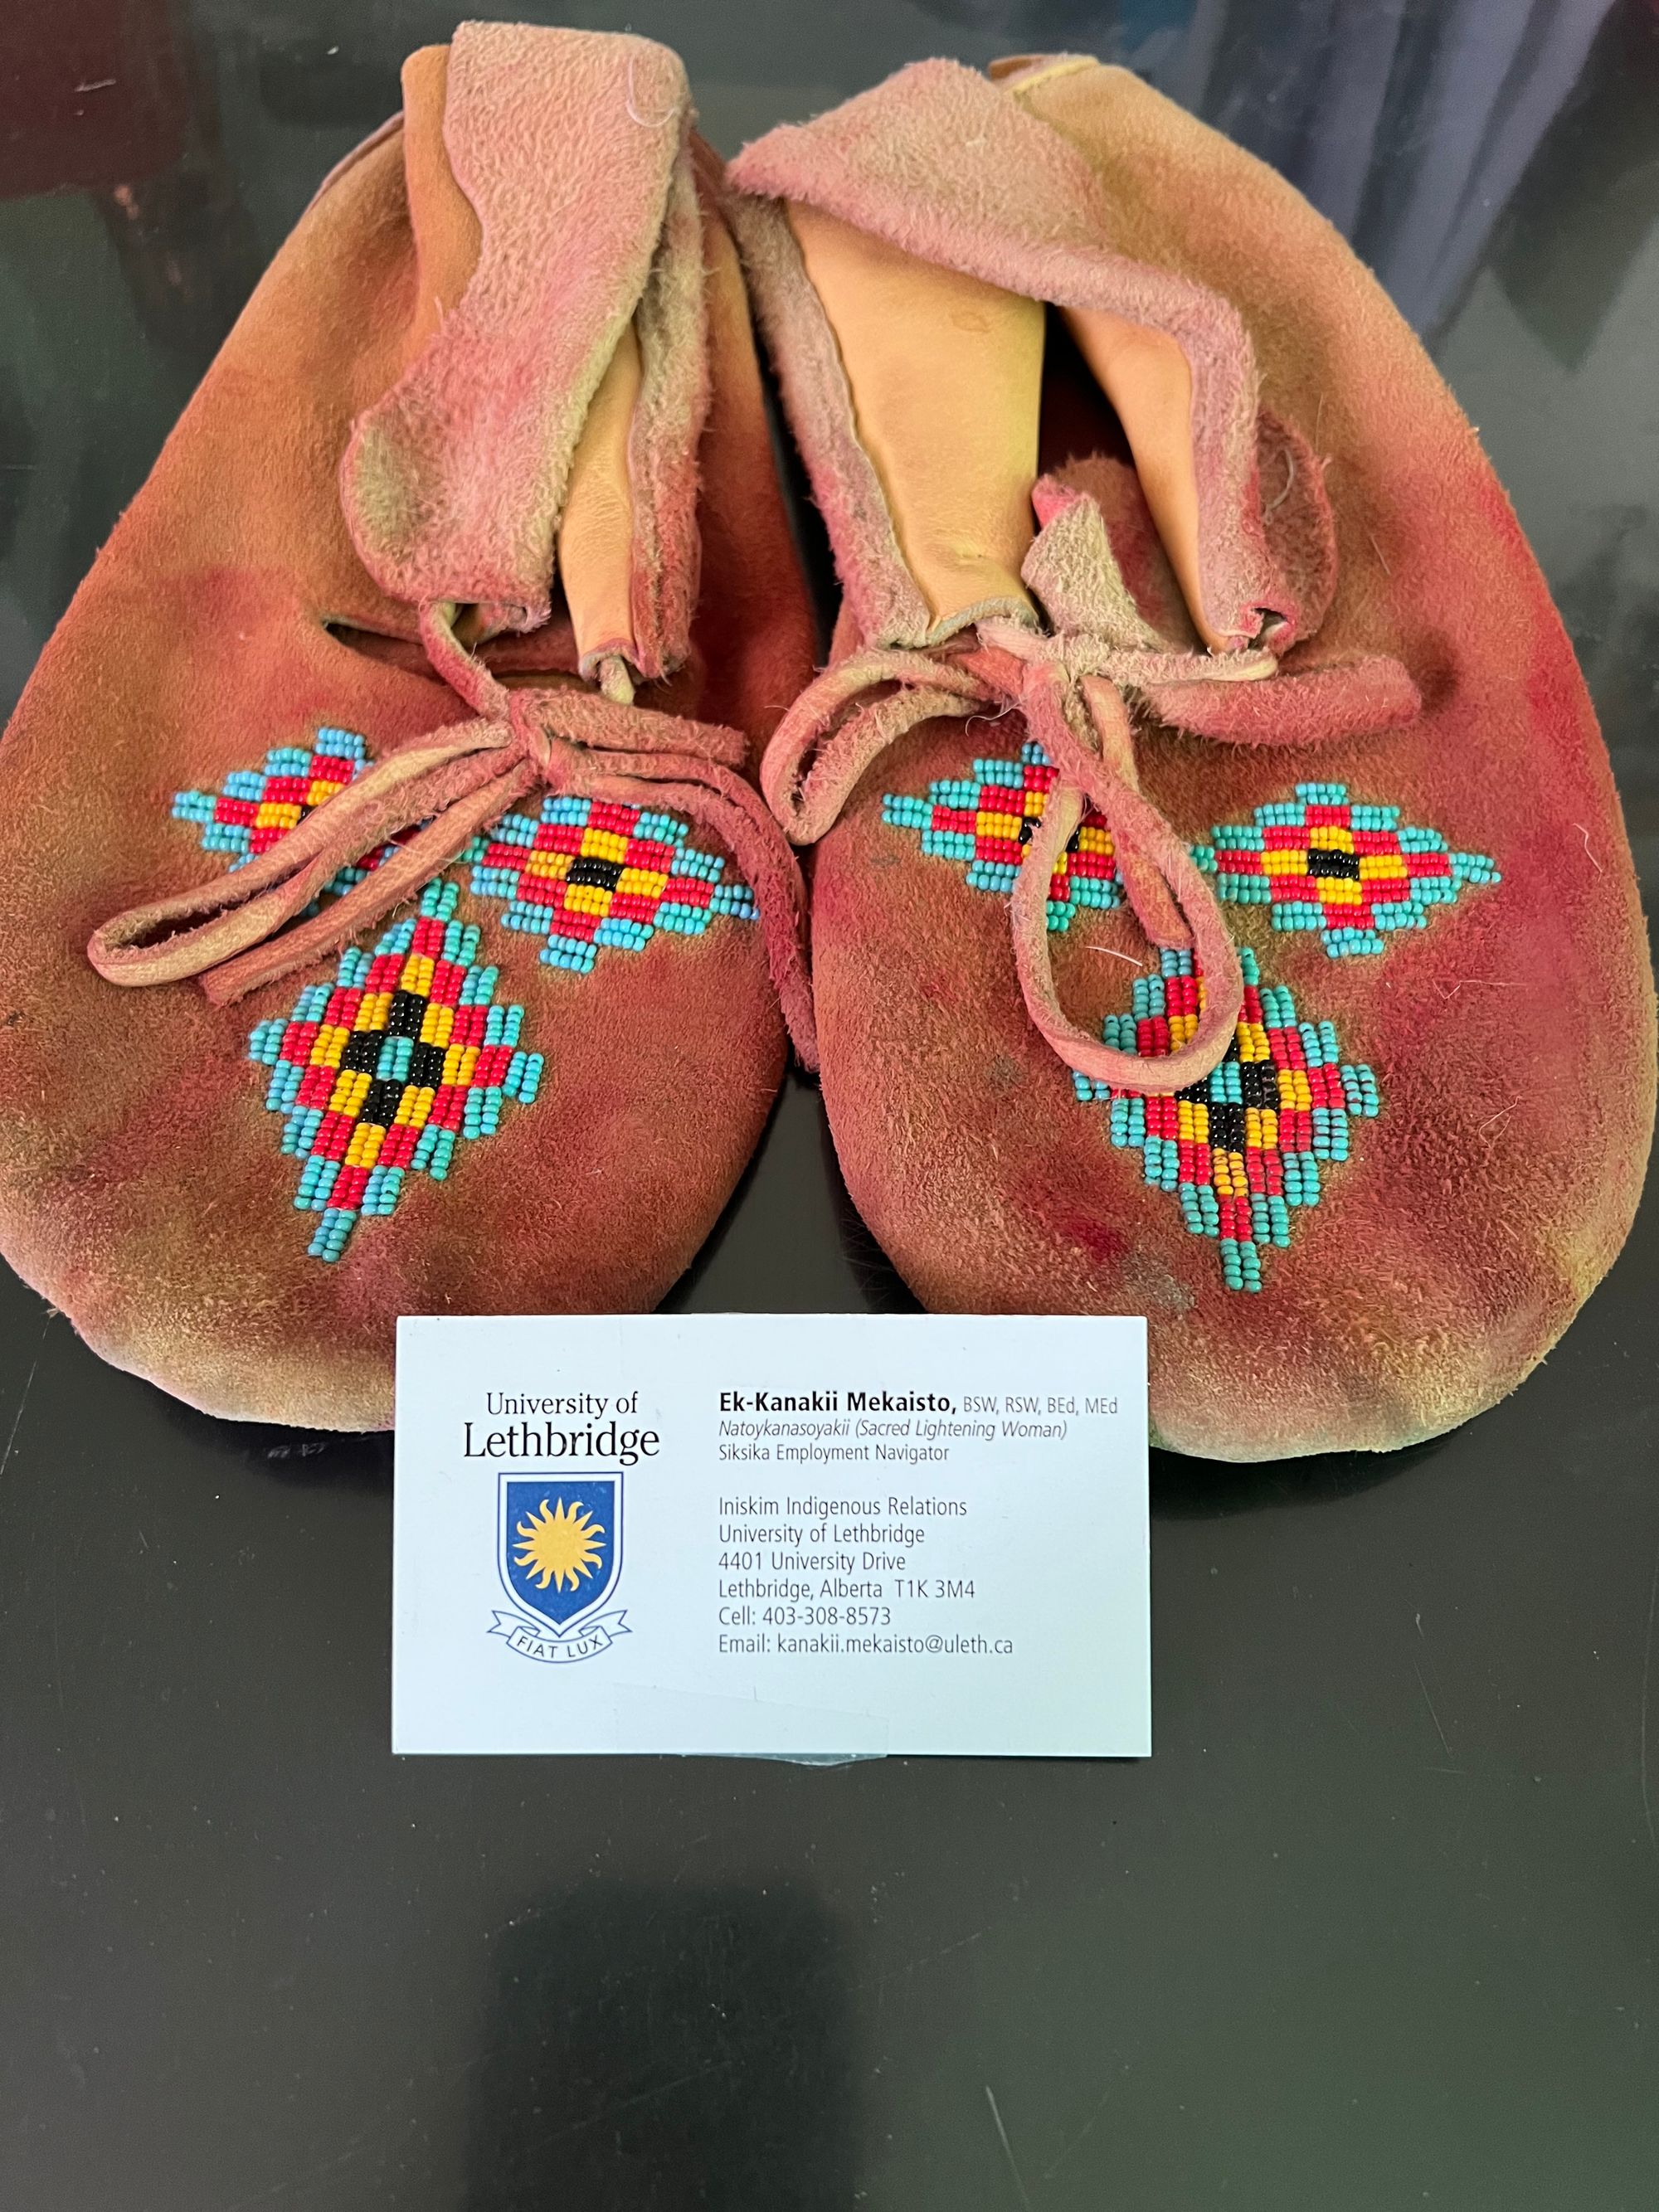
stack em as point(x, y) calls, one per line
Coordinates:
point(454, 783)
point(1072, 691)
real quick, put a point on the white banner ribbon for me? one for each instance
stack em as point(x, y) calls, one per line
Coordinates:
point(533, 1640)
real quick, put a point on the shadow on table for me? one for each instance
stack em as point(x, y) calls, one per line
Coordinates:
point(1185, 1489)
point(650, 2047)
point(334, 1459)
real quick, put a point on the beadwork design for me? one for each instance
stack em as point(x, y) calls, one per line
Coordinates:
point(986, 821)
point(379, 1074)
point(1353, 872)
point(1245, 1147)
point(256, 807)
point(1249, 1143)
point(587, 874)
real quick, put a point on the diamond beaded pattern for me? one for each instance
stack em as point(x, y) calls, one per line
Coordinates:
point(1244, 1150)
point(587, 874)
point(985, 822)
point(1352, 872)
point(256, 807)
point(380, 1074)
point(1251, 1143)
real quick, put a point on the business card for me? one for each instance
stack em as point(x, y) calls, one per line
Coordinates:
point(802, 1535)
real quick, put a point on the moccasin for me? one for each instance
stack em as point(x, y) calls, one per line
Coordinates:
point(1221, 908)
point(391, 922)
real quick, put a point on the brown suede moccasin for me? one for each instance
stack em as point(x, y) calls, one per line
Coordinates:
point(390, 921)
point(1186, 630)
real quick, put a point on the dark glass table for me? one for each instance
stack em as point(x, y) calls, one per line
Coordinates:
point(1377, 1926)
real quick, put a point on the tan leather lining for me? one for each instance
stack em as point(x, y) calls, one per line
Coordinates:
point(946, 377)
point(1147, 377)
point(946, 373)
point(596, 532)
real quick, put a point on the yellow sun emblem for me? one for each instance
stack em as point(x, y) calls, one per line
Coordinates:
point(561, 1546)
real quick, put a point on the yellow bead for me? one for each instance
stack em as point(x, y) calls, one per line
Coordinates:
point(349, 1090)
point(364, 1149)
point(1227, 1173)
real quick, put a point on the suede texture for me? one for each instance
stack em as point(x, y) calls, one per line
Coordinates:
point(454, 480)
point(1512, 1039)
point(950, 167)
point(143, 1189)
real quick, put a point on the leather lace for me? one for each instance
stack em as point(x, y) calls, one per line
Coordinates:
point(453, 783)
point(1074, 692)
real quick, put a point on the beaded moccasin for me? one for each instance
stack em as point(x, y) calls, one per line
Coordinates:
point(1186, 631)
point(394, 760)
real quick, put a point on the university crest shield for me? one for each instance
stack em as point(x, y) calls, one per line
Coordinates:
point(558, 1542)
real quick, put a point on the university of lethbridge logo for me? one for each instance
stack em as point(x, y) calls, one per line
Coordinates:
point(558, 1546)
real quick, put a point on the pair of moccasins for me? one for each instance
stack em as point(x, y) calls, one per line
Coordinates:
point(1219, 907)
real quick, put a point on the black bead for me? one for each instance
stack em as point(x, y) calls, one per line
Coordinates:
point(1227, 1129)
point(381, 1106)
point(1335, 864)
point(407, 1014)
point(425, 1066)
point(603, 875)
point(1258, 1083)
point(362, 1049)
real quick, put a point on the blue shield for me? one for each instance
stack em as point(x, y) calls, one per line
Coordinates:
point(559, 1543)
